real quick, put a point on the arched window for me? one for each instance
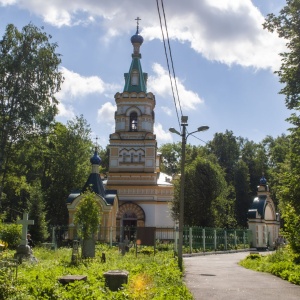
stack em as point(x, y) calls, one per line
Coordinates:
point(134, 78)
point(140, 157)
point(133, 121)
point(124, 157)
point(131, 157)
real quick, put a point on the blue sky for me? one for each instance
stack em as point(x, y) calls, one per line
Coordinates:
point(224, 61)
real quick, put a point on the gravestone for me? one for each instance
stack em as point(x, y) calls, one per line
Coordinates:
point(24, 251)
point(115, 278)
point(88, 248)
point(72, 278)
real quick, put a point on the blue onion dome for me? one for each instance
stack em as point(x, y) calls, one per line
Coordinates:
point(137, 39)
point(95, 159)
point(263, 180)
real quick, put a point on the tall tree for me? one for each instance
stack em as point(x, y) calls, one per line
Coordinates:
point(39, 231)
point(225, 147)
point(29, 80)
point(66, 166)
point(204, 188)
point(242, 190)
point(254, 156)
point(171, 155)
point(287, 25)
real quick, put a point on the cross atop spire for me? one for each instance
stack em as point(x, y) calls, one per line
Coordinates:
point(137, 24)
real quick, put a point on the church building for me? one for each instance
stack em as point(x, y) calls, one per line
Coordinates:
point(136, 194)
point(144, 192)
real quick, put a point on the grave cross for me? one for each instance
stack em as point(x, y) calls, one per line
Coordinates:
point(25, 222)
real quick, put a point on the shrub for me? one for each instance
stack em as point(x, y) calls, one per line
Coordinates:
point(280, 263)
point(11, 234)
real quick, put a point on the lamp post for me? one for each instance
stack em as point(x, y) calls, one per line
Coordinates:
point(182, 178)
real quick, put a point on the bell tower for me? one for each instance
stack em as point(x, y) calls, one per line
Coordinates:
point(133, 146)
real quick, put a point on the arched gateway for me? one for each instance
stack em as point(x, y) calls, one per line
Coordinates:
point(129, 217)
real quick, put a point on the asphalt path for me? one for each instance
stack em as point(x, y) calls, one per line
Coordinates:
point(218, 276)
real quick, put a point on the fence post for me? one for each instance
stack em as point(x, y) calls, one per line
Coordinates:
point(110, 236)
point(121, 234)
point(203, 239)
point(176, 240)
point(191, 239)
point(235, 243)
point(225, 240)
point(215, 239)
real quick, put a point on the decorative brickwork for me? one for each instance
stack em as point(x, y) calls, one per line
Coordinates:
point(131, 209)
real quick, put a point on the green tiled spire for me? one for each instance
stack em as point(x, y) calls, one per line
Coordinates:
point(135, 79)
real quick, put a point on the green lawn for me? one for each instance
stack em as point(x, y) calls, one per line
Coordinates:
point(150, 277)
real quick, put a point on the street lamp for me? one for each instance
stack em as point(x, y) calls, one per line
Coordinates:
point(181, 200)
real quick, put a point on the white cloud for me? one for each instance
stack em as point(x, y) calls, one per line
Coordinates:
point(106, 114)
point(167, 110)
point(162, 136)
point(76, 86)
point(65, 111)
point(160, 84)
point(227, 31)
point(8, 2)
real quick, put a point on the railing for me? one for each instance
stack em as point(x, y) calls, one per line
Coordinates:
point(195, 239)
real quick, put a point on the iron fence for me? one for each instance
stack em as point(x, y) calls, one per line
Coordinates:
point(195, 239)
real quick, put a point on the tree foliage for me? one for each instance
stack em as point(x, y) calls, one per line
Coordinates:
point(38, 231)
point(88, 215)
point(225, 147)
point(287, 25)
point(66, 166)
point(204, 187)
point(242, 190)
point(29, 80)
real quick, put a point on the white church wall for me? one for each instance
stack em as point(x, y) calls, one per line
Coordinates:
point(269, 215)
point(149, 210)
point(163, 215)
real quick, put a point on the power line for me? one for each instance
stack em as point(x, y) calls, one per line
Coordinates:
point(171, 57)
point(166, 54)
point(198, 138)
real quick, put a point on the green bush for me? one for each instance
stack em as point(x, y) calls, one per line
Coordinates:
point(280, 263)
point(11, 234)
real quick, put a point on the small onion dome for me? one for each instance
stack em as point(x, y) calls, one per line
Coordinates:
point(263, 181)
point(95, 159)
point(137, 39)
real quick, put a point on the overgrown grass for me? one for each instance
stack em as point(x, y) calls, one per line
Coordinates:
point(281, 263)
point(150, 277)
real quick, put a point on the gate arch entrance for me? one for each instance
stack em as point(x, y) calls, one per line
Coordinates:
point(129, 217)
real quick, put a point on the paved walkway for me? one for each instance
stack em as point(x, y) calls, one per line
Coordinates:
point(217, 277)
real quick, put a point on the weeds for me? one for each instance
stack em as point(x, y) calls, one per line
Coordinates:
point(150, 277)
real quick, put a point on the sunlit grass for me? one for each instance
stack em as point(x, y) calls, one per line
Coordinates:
point(150, 276)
